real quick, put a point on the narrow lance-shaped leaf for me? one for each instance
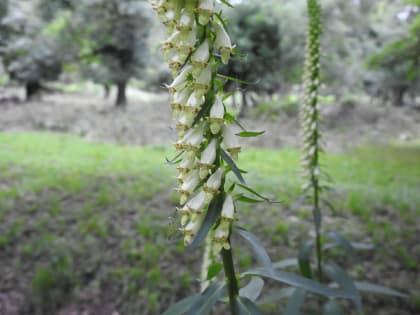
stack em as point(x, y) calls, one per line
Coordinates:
point(245, 306)
point(253, 289)
point(207, 300)
point(300, 282)
point(182, 306)
point(257, 247)
point(232, 165)
point(250, 134)
point(295, 302)
point(341, 277)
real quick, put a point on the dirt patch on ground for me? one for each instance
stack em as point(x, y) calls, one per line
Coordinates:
point(147, 120)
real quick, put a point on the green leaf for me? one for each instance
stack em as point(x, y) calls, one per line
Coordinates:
point(252, 191)
point(247, 199)
point(340, 276)
point(175, 159)
point(295, 302)
point(281, 294)
point(232, 166)
point(214, 270)
point(342, 242)
point(304, 258)
point(378, 289)
point(250, 134)
point(253, 289)
point(182, 306)
point(332, 308)
point(227, 95)
point(245, 306)
point(226, 3)
point(213, 213)
point(207, 299)
point(229, 78)
point(300, 282)
point(257, 248)
point(231, 119)
point(285, 263)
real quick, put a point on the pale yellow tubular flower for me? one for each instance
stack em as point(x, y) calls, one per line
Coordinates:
point(200, 57)
point(205, 11)
point(230, 142)
point(201, 84)
point(188, 186)
point(217, 112)
point(208, 156)
point(197, 204)
point(228, 209)
point(181, 80)
point(221, 236)
point(222, 42)
point(211, 187)
point(194, 103)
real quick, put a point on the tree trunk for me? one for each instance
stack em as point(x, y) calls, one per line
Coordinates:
point(244, 105)
point(106, 91)
point(33, 90)
point(399, 96)
point(121, 96)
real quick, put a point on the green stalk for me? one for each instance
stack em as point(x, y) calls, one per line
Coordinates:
point(232, 282)
point(310, 116)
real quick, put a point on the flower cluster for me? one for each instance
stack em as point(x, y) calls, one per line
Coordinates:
point(310, 108)
point(197, 44)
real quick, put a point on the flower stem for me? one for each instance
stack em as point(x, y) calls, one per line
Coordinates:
point(318, 229)
point(232, 282)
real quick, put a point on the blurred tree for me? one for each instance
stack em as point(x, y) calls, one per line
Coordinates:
point(399, 61)
point(112, 40)
point(4, 8)
point(30, 51)
point(261, 54)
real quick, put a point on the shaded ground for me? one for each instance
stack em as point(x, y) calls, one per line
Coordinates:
point(147, 117)
point(84, 227)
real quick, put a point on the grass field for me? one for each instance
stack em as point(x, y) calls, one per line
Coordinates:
point(87, 223)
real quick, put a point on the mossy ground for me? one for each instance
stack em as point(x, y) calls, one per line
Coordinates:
point(90, 224)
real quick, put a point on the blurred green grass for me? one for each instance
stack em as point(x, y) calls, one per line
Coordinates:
point(80, 204)
point(40, 160)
